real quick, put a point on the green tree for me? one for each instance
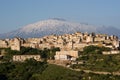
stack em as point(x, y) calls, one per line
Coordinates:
point(94, 49)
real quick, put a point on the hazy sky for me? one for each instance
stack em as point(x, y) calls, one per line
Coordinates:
point(17, 13)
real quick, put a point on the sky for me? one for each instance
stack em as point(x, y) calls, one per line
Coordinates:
point(15, 14)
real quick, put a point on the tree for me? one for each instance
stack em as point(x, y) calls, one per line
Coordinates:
point(91, 49)
point(94, 49)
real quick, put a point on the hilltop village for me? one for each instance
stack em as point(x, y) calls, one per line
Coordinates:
point(70, 44)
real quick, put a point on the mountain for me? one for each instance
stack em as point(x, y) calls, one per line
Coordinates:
point(57, 26)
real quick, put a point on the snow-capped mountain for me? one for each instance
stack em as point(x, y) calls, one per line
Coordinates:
point(57, 26)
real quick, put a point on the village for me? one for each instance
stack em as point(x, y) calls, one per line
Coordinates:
point(70, 45)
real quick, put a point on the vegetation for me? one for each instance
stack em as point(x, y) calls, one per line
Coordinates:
point(21, 71)
point(48, 53)
point(94, 49)
point(54, 72)
point(32, 70)
point(99, 63)
point(45, 53)
point(95, 61)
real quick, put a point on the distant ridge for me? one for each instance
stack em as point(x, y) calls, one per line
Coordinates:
point(60, 19)
point(57, 26)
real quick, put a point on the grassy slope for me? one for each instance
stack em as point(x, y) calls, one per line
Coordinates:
point(54, 72)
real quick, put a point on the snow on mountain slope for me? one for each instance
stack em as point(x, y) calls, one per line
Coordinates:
point(56, 26)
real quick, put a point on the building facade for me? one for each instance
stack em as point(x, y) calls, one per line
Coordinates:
point(22, 58)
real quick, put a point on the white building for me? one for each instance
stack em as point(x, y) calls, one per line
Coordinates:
point(66, 55)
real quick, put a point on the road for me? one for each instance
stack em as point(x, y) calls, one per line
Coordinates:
point(97, 72)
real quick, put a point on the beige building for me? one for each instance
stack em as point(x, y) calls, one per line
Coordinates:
point(116, 44)
point(66, 42)
point(22, 58)
point(15, 44)
point(111, 52)
point(89, 39)
point(66, 55)
point(3, 44)
point(75, 41)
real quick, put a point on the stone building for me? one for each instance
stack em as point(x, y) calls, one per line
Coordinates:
point(15, 44)
point(22, 58)
point(111, 52)
point(75, 41)
point(66, 55)
point(90, 39)
point(3, 44)
point(116, 44)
